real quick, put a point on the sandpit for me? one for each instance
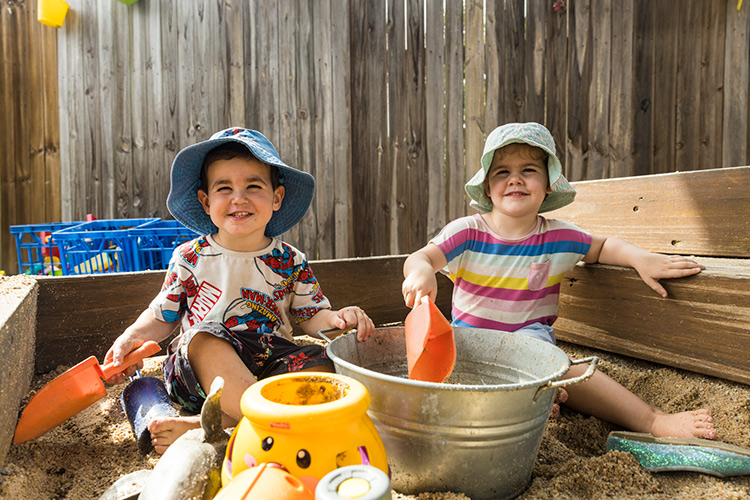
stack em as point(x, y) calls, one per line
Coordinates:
point(81, 458)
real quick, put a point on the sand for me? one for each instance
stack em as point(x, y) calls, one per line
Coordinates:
point(81, 458)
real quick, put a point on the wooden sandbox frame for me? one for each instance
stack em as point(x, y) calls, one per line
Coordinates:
point(703, 326)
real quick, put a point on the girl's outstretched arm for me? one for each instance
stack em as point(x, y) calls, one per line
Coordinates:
point(650, 266)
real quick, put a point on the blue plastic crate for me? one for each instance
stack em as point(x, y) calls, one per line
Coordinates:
point(155, 242)
point(99, 246)
point(36, 249)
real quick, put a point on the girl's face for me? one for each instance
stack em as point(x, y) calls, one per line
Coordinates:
point(517, 181)
point(240, 200)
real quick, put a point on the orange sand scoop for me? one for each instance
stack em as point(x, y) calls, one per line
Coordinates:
point(72, 392)
point(430, 346)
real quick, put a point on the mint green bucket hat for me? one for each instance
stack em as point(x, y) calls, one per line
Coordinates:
point(533, 134)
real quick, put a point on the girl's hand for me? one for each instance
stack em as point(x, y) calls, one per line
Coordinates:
point(653, 267)
point(418, 285)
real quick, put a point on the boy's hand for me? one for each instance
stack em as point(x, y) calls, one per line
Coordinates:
point(146, 327)
point(123, 346)
point(354, 317)
point(653, 267)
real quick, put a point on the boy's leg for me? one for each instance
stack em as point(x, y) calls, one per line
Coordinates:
point(210, 356)
point(605, 398)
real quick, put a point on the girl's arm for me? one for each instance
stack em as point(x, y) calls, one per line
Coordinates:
point(650, 266)
point(419, 274)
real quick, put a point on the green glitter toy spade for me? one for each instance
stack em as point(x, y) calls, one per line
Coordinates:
point(682, 454)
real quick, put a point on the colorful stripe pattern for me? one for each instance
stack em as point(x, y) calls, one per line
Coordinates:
point(506, 285)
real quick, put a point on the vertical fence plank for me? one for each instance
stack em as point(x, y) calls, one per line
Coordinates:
point(371, 182)
point(34, 204)
point(23, 88)
point(455, 159)
point(305, 95)
point(621, 90)
point(711, 85)
point(435, 113)
point(265, 57)
point(532, 72)
point(690, 40)
point(106, 88)
point(235, 24)
point(73, 162)
point(579, 72)
point(412, 226)
point(665, 85)
point(289, 104)
point(498, 80)
point(643, 86)
point(170, 35)
point(122, 127)
point(474, 99)
point(556, 52)
point(48, 46)
point(509, 86)
point(140, 95)
point(322, 121)
point(342, 161)
point(154, 168)
point(397, 122)
point(215, 59)
point(736, 125)
point(599, 85)
point(91, 125)
point(12, 18)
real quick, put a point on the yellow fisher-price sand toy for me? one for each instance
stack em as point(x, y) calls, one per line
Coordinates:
point(307, 423)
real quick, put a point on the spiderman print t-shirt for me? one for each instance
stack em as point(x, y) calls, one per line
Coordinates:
point(260, 291)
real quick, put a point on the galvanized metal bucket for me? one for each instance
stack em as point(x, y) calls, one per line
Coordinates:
point(478, 432)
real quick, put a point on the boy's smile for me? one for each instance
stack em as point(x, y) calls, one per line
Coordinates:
point(241, 201)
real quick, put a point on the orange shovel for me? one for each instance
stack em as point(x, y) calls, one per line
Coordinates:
point(430, 346)
point(71, 392)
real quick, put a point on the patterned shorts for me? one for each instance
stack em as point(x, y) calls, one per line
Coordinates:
point(264, 355)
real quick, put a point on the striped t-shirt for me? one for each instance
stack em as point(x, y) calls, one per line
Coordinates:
point(508, 284)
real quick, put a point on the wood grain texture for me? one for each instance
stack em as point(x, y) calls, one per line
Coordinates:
point(386, 103)
point(694, 213)
point(80, 316)
point(18, 307)
point(703, 326)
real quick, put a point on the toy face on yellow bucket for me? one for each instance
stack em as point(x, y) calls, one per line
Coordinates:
point(309, 423)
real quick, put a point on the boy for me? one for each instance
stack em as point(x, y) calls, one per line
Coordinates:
point(507, 264)
point(236, 289)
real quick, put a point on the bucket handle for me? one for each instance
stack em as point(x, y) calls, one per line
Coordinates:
point(323, 336)
point(594, 360)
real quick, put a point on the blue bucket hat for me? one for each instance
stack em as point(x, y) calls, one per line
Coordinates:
point(533, 134)
point(183, 202)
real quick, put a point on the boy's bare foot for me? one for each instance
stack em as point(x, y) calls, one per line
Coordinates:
point(688, 424)
point(165, 430)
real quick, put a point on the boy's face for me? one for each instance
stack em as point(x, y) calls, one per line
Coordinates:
point(241, 201)
point(517, 181)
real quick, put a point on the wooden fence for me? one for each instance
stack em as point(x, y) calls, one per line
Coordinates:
point(387, 103)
